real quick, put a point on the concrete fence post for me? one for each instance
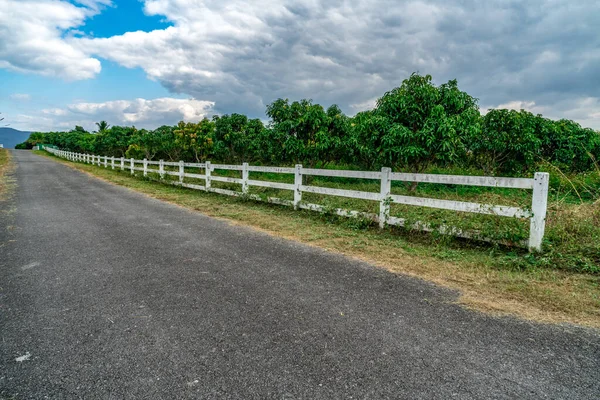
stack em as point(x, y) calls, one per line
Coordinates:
point(132, 166)
point(207, 170)
point(297, 184)
point(245, 174)
point(161, 169)
point(181, 171)
point(539, 205)
point(145, 167)
point(384, 204)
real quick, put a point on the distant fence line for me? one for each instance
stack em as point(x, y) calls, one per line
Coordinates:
point(538, 184)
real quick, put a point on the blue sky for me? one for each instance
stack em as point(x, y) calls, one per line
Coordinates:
point(154, 62)
point(121, 17)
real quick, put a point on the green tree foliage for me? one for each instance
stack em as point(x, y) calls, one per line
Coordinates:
point(115, 141)
point(412, 127)
point(236, 137)
point(507, 143)
point(195, 139)
point(368, 129)
point(303, 132)
point(421, 124)
point(566, 144)
point(102, 126)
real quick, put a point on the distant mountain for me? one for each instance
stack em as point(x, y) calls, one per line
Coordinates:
point(10, 137)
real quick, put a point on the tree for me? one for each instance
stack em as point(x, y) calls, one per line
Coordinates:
point(303, 132)
point(195, 139)
point(115, 141)
point(367, 130)
point(419, 124)
point(507, 143)
point(102, 126)
point(566, 144)
point(236, 137)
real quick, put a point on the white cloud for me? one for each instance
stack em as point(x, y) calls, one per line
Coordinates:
point(31, 37)
point(142, 113)
point(244, 54)
point(20, 96)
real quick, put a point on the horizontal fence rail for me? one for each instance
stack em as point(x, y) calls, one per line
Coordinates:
point(538, 184)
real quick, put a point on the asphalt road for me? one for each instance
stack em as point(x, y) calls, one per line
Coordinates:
point(106, 293)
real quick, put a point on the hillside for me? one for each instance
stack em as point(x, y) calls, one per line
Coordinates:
point(10, 137)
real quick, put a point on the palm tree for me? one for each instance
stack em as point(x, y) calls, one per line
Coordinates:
point(102, 126)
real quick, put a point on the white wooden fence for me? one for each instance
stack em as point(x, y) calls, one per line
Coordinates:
point(537, 214)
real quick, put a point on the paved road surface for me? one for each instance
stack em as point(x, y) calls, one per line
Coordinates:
point(107, 294)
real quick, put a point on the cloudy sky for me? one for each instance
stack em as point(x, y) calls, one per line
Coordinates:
point(153, 62)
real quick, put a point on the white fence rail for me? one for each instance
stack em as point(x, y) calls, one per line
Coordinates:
point(538, 184)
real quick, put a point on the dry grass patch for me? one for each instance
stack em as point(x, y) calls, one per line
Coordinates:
point(6, 167)
point(484, 276)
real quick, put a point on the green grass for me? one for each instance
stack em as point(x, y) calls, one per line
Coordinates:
point(498, 279)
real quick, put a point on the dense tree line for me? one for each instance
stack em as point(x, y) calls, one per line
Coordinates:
point(411, 128)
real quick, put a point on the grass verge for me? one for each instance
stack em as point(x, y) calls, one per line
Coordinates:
point(489, 279)
point(6, 166)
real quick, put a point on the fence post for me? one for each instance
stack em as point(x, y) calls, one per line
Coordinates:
point(132, 161)
point(297, 184)
point(207, 174)
point(145, 167)
point(99, 160)
point(245, 178)
point(112, 162)
point(161, 169)
point(384, 204)
point(181, 171)
point(105, 162)
point(122, 163)
point(539, 205)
